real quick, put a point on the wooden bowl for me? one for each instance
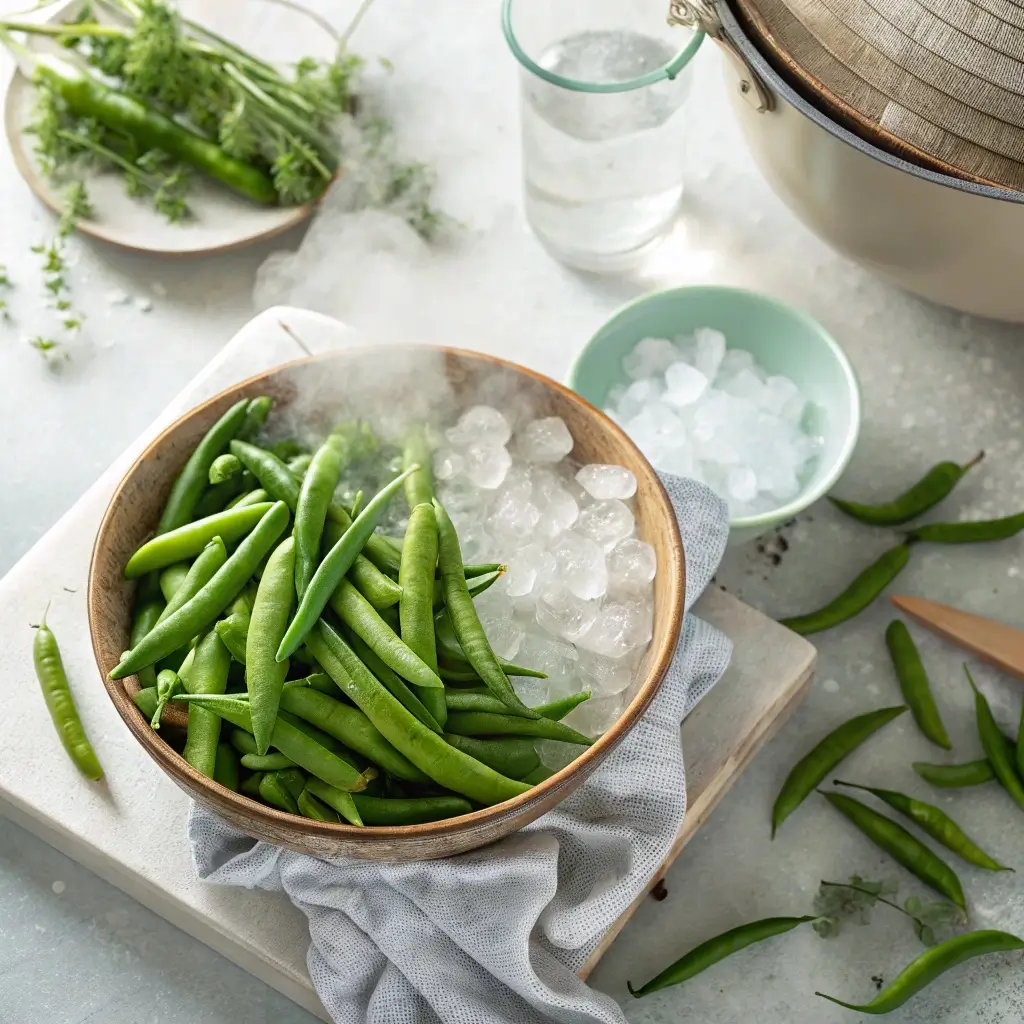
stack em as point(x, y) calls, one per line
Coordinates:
point(312, 390)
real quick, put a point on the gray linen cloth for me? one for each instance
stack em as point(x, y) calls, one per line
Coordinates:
point(496, 936)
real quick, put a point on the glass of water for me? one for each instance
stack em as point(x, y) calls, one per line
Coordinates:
point(604, 84)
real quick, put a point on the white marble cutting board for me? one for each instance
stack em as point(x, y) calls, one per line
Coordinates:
point(130, 830)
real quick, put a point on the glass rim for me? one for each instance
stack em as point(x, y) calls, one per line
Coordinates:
point(669, 70)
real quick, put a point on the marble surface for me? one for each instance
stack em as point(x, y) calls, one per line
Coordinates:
point(936, 385)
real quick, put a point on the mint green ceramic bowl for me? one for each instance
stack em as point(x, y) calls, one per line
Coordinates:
point(783, 339)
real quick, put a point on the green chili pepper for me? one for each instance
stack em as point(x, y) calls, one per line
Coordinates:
point(336, 563)
point(292, 742)
point(955, 776)
point(207, 673)
point(144, 619)
point(311, 511)
point(856, 597)
point(474, 700)
point(916, 689)
point(814, 767)
point(189, 540)
point(931, 964)
point(264, 674)
point(223, 468)
point(168, 683)
point(709, 953)
point(311, 807)
point(999, 755)
point(198, 614)
point(482, 723)
point(225, 769)
point(60, 703)
point(935, 485)
point(191, 481)
point(971, 532)
point(936, 823)
point(352, 728)
point(895, 840)
point(512, 756)
point(419, 487)
point(434, 757)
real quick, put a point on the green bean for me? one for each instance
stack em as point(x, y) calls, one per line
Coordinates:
point(955, 776)
point(394, 683)
point(709, 953)
point(469, 675)
point(856, 597)
point(469, 700)
point(264, 673)
point(419, 488)
point(311, 511)
point(512, 756)
point(483, 723)
point(191, 481)
point(904, 848)
point(930, 965)
point(210, 559)
point(225, 770)
point(292, 742)
point(319, 681)
point(250, 786)
point(352, 728)
point(189, 540)
point(380, 590)
point(336, 799)
point(252, 498)
point(971, 532)
point(294, 779)
point(359, 615)
point(168, 683)
point(914, 685)
point(454, 666)
point(173, 577)
point(999, 755)
point(234, 633)
point(145, 700)
point(539, 774)
point(218, 497)
point(936, 823)
point(935, 485)
point(416, 607)
point(271, 762)
point(287, 449)
point(199, 614)
point(311, 807)
point(330, 572)
point(208, 673)
point(475, 589)
point(256, 413)
point(277, 794)
point(325, 740)
point(144, 619)
point(241, 740)
point(223, 468)
point(434, 757)
point(299, 465)
point(60, 703)
point(815, 766)
point(382, 811)
point(465, 621)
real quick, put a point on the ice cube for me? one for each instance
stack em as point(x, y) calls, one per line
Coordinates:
point(503, 632)
point(558, 508)
point(547, 654)
point(779, 391)
point(448, 463)
point(581, 565)
point(605, 676)
point(487, 464)
point(619, 628)
point(742, 483)
point(480, 423)
point(546, 440)
point(512, 520)
point(606, 522)
point(531, 691)
point(639, 394)
point(632, 564)
point(684, 385)
point(748, 386)
point(649, 357)
point(593, 717)
point(528, 567)
point(733, 362)
point(602, 481)
point(709, 351)
point(562, 613)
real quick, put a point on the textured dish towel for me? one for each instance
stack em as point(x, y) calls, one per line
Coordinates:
point(497, 935)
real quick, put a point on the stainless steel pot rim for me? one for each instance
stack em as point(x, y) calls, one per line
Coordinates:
point(779, 86)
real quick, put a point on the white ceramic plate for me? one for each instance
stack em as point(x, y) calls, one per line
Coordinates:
point(274, 30)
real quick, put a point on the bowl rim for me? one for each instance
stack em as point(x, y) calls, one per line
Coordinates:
point(182, 772)
point(806, 498)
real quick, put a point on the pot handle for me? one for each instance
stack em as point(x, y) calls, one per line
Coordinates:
point(701, 16)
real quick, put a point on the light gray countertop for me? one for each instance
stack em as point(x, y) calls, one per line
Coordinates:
point(936, 385)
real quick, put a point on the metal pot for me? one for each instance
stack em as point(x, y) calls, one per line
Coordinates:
point(955, 242)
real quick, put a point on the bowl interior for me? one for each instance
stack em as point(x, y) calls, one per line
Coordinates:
point(412, 384)
point(781, 338)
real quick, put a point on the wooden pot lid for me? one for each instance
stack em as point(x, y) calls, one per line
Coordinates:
point(937, 82)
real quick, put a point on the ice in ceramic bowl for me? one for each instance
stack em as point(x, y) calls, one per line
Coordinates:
point(389, 387)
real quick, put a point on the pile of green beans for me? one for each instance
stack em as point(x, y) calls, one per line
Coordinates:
point(328, 671)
